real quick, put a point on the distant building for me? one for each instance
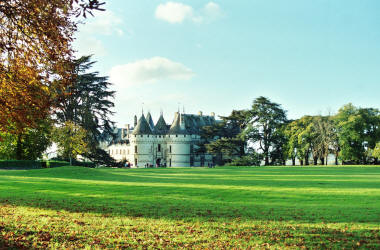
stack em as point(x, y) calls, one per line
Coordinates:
point(174, 145)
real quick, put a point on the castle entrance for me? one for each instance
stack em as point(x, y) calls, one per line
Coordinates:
point(158, 162)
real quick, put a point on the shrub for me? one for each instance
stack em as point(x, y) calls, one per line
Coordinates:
point(20, 164)
point(247, 160)
point(25, 164)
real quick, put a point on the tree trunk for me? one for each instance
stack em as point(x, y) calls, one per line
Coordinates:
point(266, 159)
point(322, 161)
point(19, 147)
point(293, 161)
point(307, 160)
point(315, 159)
point(71, 161)
point(301, 162)
point(336, 160)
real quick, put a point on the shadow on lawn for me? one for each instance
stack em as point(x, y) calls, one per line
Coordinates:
point(120, 192)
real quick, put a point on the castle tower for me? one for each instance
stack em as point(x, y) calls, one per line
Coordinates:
point(178, 143)
point(141, 143)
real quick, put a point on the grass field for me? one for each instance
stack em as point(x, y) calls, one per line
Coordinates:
point(261, 207)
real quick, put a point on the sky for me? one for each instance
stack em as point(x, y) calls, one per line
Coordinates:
point(310, 56)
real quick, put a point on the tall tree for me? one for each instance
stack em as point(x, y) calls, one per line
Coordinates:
point(88, 104)
point(265, 119)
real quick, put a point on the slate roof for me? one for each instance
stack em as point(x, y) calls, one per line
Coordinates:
point(161, 127)
point(150, 120)
point(142, 127)
point(178, 126)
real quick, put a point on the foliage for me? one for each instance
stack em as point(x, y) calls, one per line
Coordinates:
point(35, 51)
point(265, 119)
point(358, 132)
point(70, 139)
point(376, 151)
point(88, 103)
point(20, 164)
point(28, 144)
point(263, 208)
point(226, 146)
point(224, 138)
point(29, 164)
point(252, 159)
point(8, 144)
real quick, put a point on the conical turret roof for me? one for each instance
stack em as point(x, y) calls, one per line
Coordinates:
point(178, 127)
point(142, 127)
point(161, 128)
point(150, 120)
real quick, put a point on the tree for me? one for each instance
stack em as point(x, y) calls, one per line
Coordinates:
point(70, 139)
point(376, 151)
point(28, 145)
point(225, 138)
point(323, 138)
point(35, 48)
point(265, 119)
point(358, 132)
point(88, 103)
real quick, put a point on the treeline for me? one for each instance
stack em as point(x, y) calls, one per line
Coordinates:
point(264, 135)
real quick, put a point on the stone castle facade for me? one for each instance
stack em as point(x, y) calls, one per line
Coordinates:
point(161, 144)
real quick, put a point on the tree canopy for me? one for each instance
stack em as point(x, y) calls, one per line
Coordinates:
point(35, 51)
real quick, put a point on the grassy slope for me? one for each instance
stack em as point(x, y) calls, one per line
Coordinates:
point(191, 207)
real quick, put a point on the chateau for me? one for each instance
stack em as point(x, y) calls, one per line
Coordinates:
point(174, 145)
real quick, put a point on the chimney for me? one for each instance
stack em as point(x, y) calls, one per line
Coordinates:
point(135, 121)
point(122, 133)
point(127, 126)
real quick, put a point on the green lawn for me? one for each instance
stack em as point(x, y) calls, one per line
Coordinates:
point(262, 207)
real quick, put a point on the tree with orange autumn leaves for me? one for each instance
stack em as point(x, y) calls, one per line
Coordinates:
point(35, 57)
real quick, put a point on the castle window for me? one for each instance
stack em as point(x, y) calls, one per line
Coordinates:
point(142, 136)
point(176, 135)
point(123, 151)
point(135, 149)
point(184, 135)
point(148, 135)
point(170, 149)
point(159, 148)
point(128, 151)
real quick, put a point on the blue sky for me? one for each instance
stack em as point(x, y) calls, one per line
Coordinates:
point(311, 56)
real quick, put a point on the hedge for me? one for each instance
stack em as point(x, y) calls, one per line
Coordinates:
point(24, 164)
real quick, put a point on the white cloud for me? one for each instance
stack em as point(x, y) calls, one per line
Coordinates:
point(212, 10)
point(104, 23)
point(175, 12)
point(87, 45)
point(149, 71)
